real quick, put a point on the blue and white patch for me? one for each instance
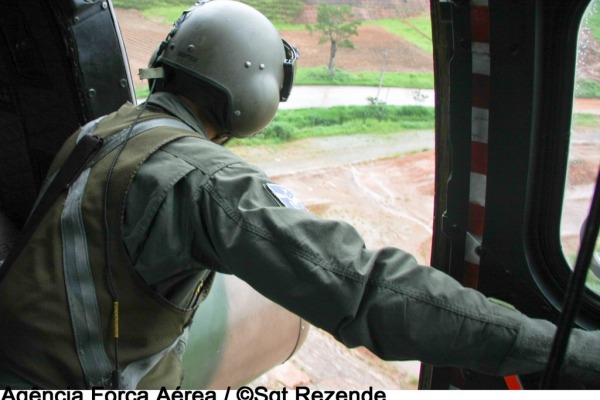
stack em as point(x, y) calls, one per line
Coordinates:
point(284, 196)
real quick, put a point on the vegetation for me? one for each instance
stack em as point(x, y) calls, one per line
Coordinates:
point(166, 14)
point(415, 30)
point(336, 24)
point(585, 120)
point(291, 125)
point(320, 76)
point(585, 88)
point(146, 4)
point(278, 11)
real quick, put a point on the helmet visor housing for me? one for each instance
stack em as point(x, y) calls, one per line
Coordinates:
point(289, 70)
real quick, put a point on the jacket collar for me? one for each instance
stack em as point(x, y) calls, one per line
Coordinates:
point(174, 106)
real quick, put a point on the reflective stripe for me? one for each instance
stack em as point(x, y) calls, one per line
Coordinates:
point(79, 280)
point(80, 288)
point(89, 128)
point(137, 370)
point(115, 140)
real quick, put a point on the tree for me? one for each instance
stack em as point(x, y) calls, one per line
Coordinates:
point(336, 24)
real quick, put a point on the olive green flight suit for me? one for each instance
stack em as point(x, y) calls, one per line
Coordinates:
point(194, 205)
point(221, 214)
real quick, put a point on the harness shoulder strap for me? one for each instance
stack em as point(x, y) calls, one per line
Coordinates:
point(84, 150)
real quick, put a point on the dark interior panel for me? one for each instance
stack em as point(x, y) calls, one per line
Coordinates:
point(61, 64)
point(37, 110)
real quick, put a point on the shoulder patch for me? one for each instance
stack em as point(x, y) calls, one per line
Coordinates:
point(284, 196)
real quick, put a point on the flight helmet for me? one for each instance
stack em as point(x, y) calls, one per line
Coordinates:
point(236, 50)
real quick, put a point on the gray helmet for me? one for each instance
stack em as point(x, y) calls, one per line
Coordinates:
point(234, 48)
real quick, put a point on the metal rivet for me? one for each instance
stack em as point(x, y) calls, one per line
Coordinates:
point(104, 5)
point(76, 20)
point(91, 93)
point(237, 113)
point(248, 64)
point(123, 82)
point(191, 48)
point(262, 66)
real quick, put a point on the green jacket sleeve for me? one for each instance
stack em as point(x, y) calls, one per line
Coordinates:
point(321, 270)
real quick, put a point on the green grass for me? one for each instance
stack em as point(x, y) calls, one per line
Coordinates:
point(416, 30)
point(280, 12)
point(166, 14)
point(166, 11)
point(290, 125)
point(585, 121)
point(146, 4)
point(319, 76)
point(585, 88)
point(142, 92)
point(286, 26)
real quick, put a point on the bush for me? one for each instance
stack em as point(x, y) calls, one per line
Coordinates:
point(585, 88)
point(320, 76)
point(278, 10)
point(278, 132)
point(145, 4)
point(290, 125)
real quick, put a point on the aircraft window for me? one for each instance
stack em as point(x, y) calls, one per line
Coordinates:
point(584, 149)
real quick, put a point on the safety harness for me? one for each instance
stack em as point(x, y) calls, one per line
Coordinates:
point(80, 269)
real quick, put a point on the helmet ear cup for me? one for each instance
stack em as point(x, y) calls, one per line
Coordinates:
point(235, 49)
point(256, 107)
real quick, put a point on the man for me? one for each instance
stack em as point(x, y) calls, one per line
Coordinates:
point(123, 260)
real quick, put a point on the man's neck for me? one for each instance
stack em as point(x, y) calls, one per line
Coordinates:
point(211, 131)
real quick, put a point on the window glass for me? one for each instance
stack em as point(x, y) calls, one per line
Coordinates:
point(584, 149)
